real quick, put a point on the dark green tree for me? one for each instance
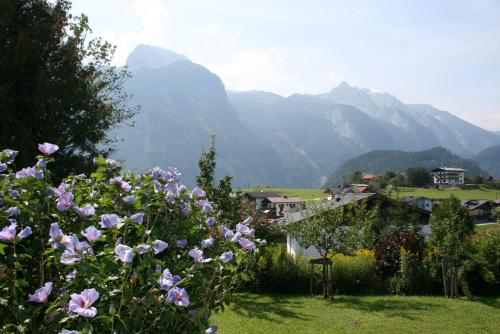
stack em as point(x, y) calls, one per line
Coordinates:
point(222, 196)
point(56, 84)
point(451, 226)
point(418, 176)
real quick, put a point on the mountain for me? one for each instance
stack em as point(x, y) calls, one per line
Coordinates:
point(399, 161)
point(415, 126)
point(310, 135)
point(489, 160)
point(182, 104)
point(268, 139)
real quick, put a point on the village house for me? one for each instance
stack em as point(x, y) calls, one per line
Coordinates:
point(352, 189)
point(480, 209)
point(448, 176)
point(282, 204)
point(423, 203)
point(258, 196)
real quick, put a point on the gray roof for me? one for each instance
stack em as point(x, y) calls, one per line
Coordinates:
point(325, 206)
point(473, 204)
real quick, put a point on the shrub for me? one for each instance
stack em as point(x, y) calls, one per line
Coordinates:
point(110, 252)
point(355, 274)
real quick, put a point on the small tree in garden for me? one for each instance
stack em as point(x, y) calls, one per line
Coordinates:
point(451, 227)
point(224, 199)
point(340, 230)
point(111, 252)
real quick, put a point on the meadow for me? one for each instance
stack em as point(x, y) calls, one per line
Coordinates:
point(254, 313)
point(462, 194)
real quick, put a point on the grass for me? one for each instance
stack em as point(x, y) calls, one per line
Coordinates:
point(252, 313)
point(462, 194)
point(486, 227)
point(306, 194)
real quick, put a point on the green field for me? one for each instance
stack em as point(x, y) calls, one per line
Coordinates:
point(306, 194)
point(486, 227)
point(481, 193)
point(251, 313)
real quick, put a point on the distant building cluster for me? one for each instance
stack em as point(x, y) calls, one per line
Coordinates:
point(448, 176)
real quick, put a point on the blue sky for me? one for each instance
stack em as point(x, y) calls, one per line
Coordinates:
point(445, 53)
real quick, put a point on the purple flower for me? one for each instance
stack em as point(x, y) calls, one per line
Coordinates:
point(226, 256)
point(13, 211)
point(167, 280)
point(159, 246)
point(55, 233)
point(65, 331)
point(211, 221)
point(182, 243)
point(9, 232)
point(116, 180)
point(65, 201)
point(14, 193)
point(3, 167)
point(25, 232)
point(207, 243)
point(243, 229)
point(236, 237)
point(198, 193)
point(207, 207)
point(86, 211)
point(125, 186)
point(42, 163)
point(157, 186)
point(211, 330)
point(125, 253)
point(159, 173)
point(186, 209)
point(61, 190)
point(197, 256)
point(246, 244)
point(47, 148)
point(71, 276)
point(81, 304)
point(142, 248)
point(109, 220)
point(226, 232)
point(138, 217)
point(129, 199)
point(173, 174)
point(75, 250)
point(41, 295)
point(11, 155)
point(91, 233)
point(178, 296)
point(29, 172)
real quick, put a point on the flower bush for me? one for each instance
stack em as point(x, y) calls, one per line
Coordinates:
point(111, 252)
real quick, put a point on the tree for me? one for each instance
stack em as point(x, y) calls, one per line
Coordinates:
point(352, 178)
point(339, 230)
point(418, 176)
point(56, 85)
point(223, 197)
point(451, 226)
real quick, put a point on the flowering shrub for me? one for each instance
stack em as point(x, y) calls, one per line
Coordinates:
point(111, 252)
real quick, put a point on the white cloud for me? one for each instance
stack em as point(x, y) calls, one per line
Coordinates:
point(155, 28)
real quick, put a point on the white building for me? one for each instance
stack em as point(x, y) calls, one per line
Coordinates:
point(447, 176)
point(281, 205)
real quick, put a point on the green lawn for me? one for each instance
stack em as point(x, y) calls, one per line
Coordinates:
point(251, 313)
point(484, 228)
point(462, 194)
point(306, 194)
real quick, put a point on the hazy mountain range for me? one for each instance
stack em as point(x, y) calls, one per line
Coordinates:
point(398, 161)
point(264, 138)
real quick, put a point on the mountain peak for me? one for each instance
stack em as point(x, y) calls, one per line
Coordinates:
point(149, 56)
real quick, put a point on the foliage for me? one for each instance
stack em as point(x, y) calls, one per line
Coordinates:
point(451, 227)
point(56, 84)
point(418, 176)
point(355, 274)
point(264, 228)
point(334, 230)
point(223, 198)
point(154, 258)
point(389, 250)
point(480, 271)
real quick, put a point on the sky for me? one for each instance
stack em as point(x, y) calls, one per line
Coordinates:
point(443, 52)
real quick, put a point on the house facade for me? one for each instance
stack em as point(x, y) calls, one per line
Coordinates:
point(480, 209)
point(282, 204)
point(448, 176)
point(258, 196)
